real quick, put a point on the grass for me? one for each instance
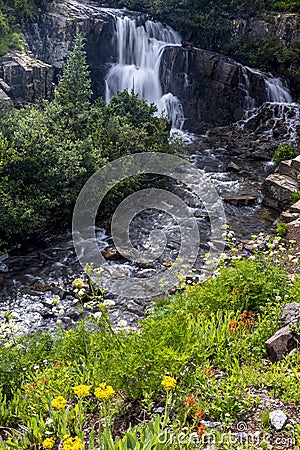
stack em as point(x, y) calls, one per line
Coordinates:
point(197, 357)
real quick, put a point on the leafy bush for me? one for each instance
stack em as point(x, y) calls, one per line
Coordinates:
point(282, 229)
point(295, 196)
point(283, 153)
point(48, 151)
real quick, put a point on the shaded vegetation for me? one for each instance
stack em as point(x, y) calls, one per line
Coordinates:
point(48, 151)
point(11, 12)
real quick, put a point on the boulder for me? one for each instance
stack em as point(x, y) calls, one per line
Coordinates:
point(286, 168)
point(277, 190)
point(286, 217)
point(296, 164)
point(24, 79)
point(295, 208)
point(111, 254)
point(232, 167)
point(240, 200)
point(281, 343)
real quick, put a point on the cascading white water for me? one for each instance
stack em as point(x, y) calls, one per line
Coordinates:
point(245, 86)
point(138, 65)
point(276, 91)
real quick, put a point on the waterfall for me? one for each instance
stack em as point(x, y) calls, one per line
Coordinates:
point(277, 92)
point(139, 50)
point(245, 86)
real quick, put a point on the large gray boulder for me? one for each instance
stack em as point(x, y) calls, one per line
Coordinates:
point(277, 190)
point(24, 79)
point(286, 339)
point(282, 343)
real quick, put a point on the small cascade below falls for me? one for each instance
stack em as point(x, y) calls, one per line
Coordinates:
point(275, 89)
point(139, 50)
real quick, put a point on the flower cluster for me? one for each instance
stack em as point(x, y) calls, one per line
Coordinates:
point(209, 371)
point(168, 383)
point(59, 402)
point(197, 414)
point(104, 392)
point(190, 401)
point(70, 443)
point(246, 321)
point(82, 390)
point(48, 443)
point(200, 430)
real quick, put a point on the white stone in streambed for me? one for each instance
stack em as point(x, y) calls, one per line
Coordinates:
point(278, 419)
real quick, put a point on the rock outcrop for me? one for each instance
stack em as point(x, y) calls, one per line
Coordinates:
point(51, 37)
point(24, 79)
point(210, 86)
point(278, 188)
point(282, 27)
point(286, 339)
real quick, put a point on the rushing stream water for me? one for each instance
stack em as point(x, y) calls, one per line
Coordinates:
point(33, 280)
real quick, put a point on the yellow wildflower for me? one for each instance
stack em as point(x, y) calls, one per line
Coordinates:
point(104, 391)
point(48, 443)
point(70, 443)
point(78, 283)
point(82, 390)
point(168, 382)
point(59, 402)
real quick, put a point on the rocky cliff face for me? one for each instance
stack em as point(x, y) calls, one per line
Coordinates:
point(212, 87)
point(282, 27)
point(50, 38)
point(24, 79)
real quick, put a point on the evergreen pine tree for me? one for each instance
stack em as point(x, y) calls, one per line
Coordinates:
point(74, 89)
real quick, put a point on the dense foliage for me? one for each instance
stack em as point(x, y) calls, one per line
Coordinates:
point(48, 151)
point(11, 11)
point(198, 355)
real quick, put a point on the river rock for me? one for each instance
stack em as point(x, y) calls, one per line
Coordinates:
point(281, 343)
point(278, 419)
point(111, 254)
point(240, 200)
point(232, 167)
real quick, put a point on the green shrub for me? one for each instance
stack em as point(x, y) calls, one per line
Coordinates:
point(282, 229)
point(295, 196)
point(283, 153)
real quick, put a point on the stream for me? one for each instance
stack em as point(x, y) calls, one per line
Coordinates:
point(36, 283)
